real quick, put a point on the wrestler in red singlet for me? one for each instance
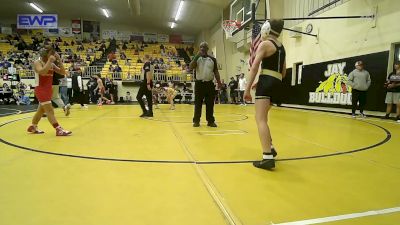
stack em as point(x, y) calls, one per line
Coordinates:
point(44, 69)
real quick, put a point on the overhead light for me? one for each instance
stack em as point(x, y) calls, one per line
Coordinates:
point(173, 25)
point(36, 7)
point(178, 13)
point(105, 12)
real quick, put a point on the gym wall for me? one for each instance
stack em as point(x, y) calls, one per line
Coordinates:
point(342, 41)
point(347, 37)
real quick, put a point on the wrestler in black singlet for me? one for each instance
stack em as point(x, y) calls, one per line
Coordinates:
point(270, 87)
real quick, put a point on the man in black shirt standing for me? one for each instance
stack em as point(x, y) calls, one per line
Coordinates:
point(233, 85)
point(146, 88)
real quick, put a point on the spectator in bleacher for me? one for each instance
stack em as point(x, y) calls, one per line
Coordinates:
point(117, 68)
point(12, 70)
point(77, 68)
point(128, 76)
point(111, 56)
point(18, 61)
point(128, 97)
point(78, 59)
point(72, 43)
point(21, 45)
point(178, 62)
point(88, 58)
point(58, 39)
point(80, 48)
point(90, 51)
point(111, 68)
point(66, 43)
point(122, 56)
point(7, 94)
point(28, 64)
point(16, 37)
point(3, 40)
point(23, 99)
point(127, 62)
point(139, 60)
point(57, 48)
point(191, 50)
point(103, 46)
point(124, 47)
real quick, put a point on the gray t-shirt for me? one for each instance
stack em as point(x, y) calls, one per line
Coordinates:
point(359, 80)
point(205, 68)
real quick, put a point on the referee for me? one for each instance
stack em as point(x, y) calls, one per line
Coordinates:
point(206, 71)
point(146, 88)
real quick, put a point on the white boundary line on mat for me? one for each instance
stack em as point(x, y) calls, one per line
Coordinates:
point(342, 217)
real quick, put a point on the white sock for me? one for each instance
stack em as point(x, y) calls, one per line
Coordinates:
point(267, 156)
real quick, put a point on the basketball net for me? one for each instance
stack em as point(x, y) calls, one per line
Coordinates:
point(230, 26)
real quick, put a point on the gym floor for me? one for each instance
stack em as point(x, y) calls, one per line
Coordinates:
point(118, 168)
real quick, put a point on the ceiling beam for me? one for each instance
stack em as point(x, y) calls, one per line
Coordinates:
point(134, 6)
point(210, 3)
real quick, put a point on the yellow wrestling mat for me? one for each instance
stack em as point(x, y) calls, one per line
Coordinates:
point(118, 168)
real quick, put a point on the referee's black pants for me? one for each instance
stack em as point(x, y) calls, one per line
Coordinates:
point(204, 91)
point(144, 91)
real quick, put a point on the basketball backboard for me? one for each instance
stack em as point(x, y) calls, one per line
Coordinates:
point(241, 11)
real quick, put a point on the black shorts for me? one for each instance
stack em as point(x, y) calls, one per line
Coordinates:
point(233, 93)
point(269, 87)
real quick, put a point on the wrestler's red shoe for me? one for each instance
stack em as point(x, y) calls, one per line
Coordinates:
point(61, 132)
point(34, 130)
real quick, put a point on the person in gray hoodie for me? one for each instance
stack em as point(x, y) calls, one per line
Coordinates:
point(359, 80)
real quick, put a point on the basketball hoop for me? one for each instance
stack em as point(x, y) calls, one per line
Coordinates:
point(229, 26)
